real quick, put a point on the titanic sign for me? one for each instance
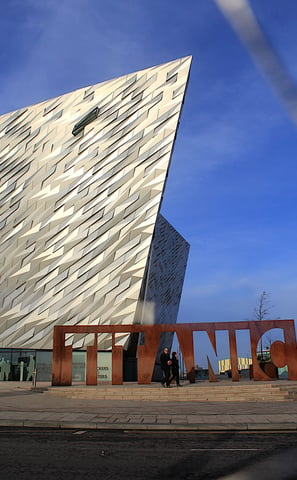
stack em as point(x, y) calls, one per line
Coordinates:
point(282, 353)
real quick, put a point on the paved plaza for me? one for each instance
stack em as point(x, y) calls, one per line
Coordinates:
point(22, 406)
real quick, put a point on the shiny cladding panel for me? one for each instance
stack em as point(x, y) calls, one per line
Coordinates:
point(78, 211)
point(166, 269)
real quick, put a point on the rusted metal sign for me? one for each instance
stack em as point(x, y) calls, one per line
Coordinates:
point(282, 353)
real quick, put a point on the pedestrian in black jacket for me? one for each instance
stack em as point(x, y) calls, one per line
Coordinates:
point(166, 366)
point(175, 369)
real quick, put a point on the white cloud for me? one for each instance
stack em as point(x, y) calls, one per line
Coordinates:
point(71, 44)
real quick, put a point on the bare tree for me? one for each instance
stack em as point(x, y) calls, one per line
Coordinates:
point(263, 307)
point(261, 311)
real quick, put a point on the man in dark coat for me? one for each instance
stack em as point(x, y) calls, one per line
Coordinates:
point(166, 366)
point(175, 369)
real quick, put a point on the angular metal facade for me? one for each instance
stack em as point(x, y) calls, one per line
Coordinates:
point(166, 267)
point(82, 178)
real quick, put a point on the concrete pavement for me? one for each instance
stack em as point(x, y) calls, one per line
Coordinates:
point(22, 406)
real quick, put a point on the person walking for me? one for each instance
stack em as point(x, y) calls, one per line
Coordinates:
point(175, 369)
point(166, 367)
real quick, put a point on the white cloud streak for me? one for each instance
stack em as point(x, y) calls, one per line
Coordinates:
point(71, 44)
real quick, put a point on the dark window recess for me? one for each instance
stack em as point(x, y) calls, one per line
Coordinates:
point(90, 117)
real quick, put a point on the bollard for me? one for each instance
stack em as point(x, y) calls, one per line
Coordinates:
point(21, 371)
point(34, 378)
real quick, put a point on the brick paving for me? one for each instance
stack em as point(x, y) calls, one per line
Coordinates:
point(20, 406)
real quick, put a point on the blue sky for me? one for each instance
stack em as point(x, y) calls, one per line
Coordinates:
point(231, 190)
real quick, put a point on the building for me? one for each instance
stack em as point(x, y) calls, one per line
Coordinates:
point(243, 364)
point(82, 239)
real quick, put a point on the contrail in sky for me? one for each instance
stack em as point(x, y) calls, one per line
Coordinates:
point(242, 19)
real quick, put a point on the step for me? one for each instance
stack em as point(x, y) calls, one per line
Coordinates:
point(189, 393)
